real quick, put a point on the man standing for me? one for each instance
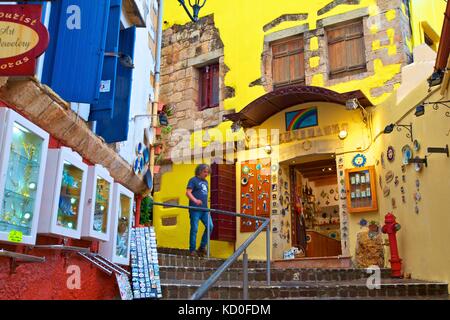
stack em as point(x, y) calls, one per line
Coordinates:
point(197, 192)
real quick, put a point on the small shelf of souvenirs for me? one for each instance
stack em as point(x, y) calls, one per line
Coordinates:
point(97, 208)
point(23, 154)
point(64, 191)
point(117, 249)
point(361, 189)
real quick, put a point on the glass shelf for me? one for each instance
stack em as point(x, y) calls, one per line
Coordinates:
point(101, 205)
point(70, 193)
point(123, 226)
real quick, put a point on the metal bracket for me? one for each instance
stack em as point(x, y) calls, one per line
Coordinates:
point(424, 160)
point(439, 150)
point(16, 258)
point(103, 264)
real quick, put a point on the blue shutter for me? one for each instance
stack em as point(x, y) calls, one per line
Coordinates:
point(116, 128)
point(104, 107)
point(74, 60)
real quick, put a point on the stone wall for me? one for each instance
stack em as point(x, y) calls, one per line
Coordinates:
point(185, 49)
point(386, 35)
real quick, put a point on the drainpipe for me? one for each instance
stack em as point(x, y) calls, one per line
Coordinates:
point(157, 79)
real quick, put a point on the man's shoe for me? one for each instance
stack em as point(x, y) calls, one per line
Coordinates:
point(201, 252)
point(193, 254)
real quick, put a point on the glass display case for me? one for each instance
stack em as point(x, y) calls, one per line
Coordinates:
point(64, 191)
point(117, 249)
point(97, 209)
point(361, 189)
point(23, 153)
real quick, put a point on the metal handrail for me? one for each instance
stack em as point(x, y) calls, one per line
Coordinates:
point(241, 250)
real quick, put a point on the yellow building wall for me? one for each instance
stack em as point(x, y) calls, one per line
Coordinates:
point(424, 237)
point(241, 29)
point(177, 236)
point(427, 16)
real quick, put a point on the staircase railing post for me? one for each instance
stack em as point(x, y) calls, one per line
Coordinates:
point(208, 223)
point(268, 253)
point(245, 275)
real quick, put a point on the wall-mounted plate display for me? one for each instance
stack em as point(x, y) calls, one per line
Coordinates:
point(406, 153)
point(389, 176)
point(97, 209)
point(23, 155)
point(117, 248)
point(383, 163)
point(63, 196)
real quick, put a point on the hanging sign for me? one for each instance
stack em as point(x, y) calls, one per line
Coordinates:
point(23, 38)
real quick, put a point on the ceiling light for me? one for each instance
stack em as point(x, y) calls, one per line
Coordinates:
point(343, 134)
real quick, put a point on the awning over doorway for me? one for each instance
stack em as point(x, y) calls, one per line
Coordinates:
point(280, 99)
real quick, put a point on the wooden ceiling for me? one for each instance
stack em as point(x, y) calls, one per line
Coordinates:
point(317, 171)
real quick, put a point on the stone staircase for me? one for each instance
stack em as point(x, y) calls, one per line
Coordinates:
point(182, 275)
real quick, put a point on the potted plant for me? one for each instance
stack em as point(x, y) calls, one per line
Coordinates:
point(146, 216)
point(373, 226)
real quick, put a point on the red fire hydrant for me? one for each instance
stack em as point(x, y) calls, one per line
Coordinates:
point(391, 227)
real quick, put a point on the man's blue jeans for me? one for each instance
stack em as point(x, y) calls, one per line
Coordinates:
point(195, 216)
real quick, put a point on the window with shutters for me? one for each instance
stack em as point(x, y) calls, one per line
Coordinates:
point(346, 49)
point(208, 87)
point(288, 62)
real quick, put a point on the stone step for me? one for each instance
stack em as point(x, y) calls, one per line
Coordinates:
point(389, 288)
point(166, 259)
point(259, 274)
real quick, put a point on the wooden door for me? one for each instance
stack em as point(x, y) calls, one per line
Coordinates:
point(223, 197)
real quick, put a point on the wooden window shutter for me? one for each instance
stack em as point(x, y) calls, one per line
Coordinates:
point(208, 86)
point(288, 62)
point(346, 49)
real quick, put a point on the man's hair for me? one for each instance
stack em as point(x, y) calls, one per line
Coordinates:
point(200, 168)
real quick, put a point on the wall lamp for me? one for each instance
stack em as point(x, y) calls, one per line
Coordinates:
point(390, 128)
point(353, 104)
point(343, 134)
point(196, 6)
point(420, 109)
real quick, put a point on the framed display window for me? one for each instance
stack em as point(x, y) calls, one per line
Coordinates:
point(64, 192)
point(23, 154)
point(97, 209)
point(361, 189)
point(117, 249)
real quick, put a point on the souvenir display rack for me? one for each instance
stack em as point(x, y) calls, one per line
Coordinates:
point(64, 191)
point(361, 189)
point(117, 249)
point(255, 192)
point(97, 210)
point(144, 264)
point(23, 154)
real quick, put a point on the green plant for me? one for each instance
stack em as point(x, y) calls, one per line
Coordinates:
point(146, 210)
point(373, 222)
point(166, 130)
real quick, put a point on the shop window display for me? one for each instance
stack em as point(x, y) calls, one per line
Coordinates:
point(64, 191)
point(117, 248)
point(361, 191)
point(98, 204)
point(22, 160)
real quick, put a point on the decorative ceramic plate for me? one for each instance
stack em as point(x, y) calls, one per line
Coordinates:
point(416, 145)
point(383, 164)
point(136, 165)
point(258, 166)
point(359, 160)
point(244, 181)
point(407, 153)
point(418, 166)
point(390, 153)
point(139, 148)
point(146, 154)
point(245, 169)
point(389, 176)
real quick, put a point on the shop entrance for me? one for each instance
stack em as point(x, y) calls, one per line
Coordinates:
point(315, 218)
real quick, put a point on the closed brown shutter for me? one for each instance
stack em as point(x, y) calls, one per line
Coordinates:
point(208, 86)
point(288, 62)
point(346, 49)
point(223, 197)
